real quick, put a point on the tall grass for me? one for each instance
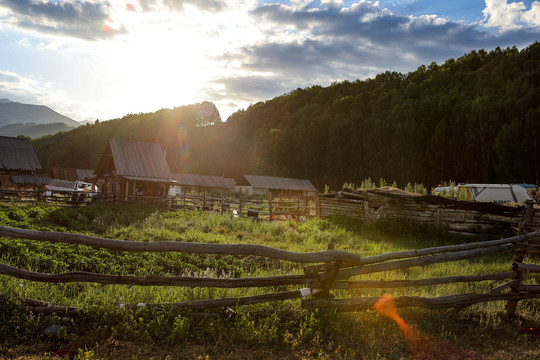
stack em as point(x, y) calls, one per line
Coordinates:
point(283, 327)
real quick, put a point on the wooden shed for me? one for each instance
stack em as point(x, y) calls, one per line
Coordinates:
point(19, 165)
point(133, 168)
point(279, 186)
point(203, 183)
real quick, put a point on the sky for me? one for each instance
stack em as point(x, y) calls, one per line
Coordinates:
point(93, 59)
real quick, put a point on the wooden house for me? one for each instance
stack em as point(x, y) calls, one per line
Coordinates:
point(278, 186)
point(19, 165)
point(203, 183)
point(133, 168)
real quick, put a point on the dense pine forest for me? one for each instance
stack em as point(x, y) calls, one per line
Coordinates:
point(471, 119)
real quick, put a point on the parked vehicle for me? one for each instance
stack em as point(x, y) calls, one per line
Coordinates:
point(501, 193)
point(80, 190)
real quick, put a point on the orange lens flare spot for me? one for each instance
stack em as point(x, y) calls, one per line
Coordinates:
point(421, 345)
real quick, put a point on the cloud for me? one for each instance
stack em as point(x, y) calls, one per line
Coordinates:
point(8, 77)
point(89, 20)
point(340, 40)
point(509, 16)
point(179, 5)
point(247, 88)
point(320, 45)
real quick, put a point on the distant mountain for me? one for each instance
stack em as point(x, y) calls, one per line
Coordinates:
point(17, 113)
point(33, 130)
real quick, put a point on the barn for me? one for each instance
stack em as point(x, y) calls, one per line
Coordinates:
point(133, 168)
point(19, 165)
point(195, 183)
point(278, 186)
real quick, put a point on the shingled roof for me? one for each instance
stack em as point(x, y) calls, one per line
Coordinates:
point(70, 174)
point(134, 160)
point(279, 183)
point(201, 180)
point(17, 154)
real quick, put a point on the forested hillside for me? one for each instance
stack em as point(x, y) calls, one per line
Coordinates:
point(471, 119)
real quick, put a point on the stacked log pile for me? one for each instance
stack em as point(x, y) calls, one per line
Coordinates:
point(468, 217)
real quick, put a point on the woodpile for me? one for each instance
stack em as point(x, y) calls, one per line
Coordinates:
point(466, 217)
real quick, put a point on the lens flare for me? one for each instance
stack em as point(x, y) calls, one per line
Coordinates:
point(422, 346)
point(185, 153)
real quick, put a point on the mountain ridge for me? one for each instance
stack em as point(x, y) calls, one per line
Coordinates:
point(12, 112)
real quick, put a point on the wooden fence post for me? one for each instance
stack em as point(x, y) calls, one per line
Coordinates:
point(204, 201)
point(270, 205)
point(222, 204)
point(511, 305)
point(528, 217)
point(240, 205)
point(184, 199)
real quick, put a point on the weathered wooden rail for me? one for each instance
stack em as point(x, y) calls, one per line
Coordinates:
point(465, 217)
point(328, 271)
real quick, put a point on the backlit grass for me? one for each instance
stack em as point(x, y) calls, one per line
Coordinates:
point(281, 328)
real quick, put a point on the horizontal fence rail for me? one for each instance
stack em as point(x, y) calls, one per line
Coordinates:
point(174, 246)
point(332, 270)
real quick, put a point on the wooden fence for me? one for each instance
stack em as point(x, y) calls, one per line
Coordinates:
point(263, 208)
point(326, 271)
point(466, 217)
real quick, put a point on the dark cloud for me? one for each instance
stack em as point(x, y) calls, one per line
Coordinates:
point(248, 88)
point(76, 18)
point(339, 44)
point(178, 5)
point(363, 39)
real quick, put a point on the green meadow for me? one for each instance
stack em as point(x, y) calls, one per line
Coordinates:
point(275, 330)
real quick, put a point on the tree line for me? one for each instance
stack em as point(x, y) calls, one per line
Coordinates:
point(471, 119)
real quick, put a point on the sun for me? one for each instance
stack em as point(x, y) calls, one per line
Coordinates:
point(161, 62)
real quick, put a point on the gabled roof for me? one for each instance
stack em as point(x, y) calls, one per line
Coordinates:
point(30, 179)
point(200, 180)
point(279, 183)
point(230, 183)
point(134, 159)
point(17, 154)
point(70, 174)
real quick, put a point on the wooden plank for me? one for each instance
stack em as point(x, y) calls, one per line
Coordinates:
point(423, 261)
point(526, 268)
point(174, 246)
point(504, 286)
point(82, 276)
point(372, 284)
point(445, 249)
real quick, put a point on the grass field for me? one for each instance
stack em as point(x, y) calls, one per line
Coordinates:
point(278, 330)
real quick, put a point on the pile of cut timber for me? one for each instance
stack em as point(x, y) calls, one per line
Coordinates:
point(467, 217)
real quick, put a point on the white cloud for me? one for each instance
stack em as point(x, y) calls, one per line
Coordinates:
point(510, 16)
point(532, 16)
